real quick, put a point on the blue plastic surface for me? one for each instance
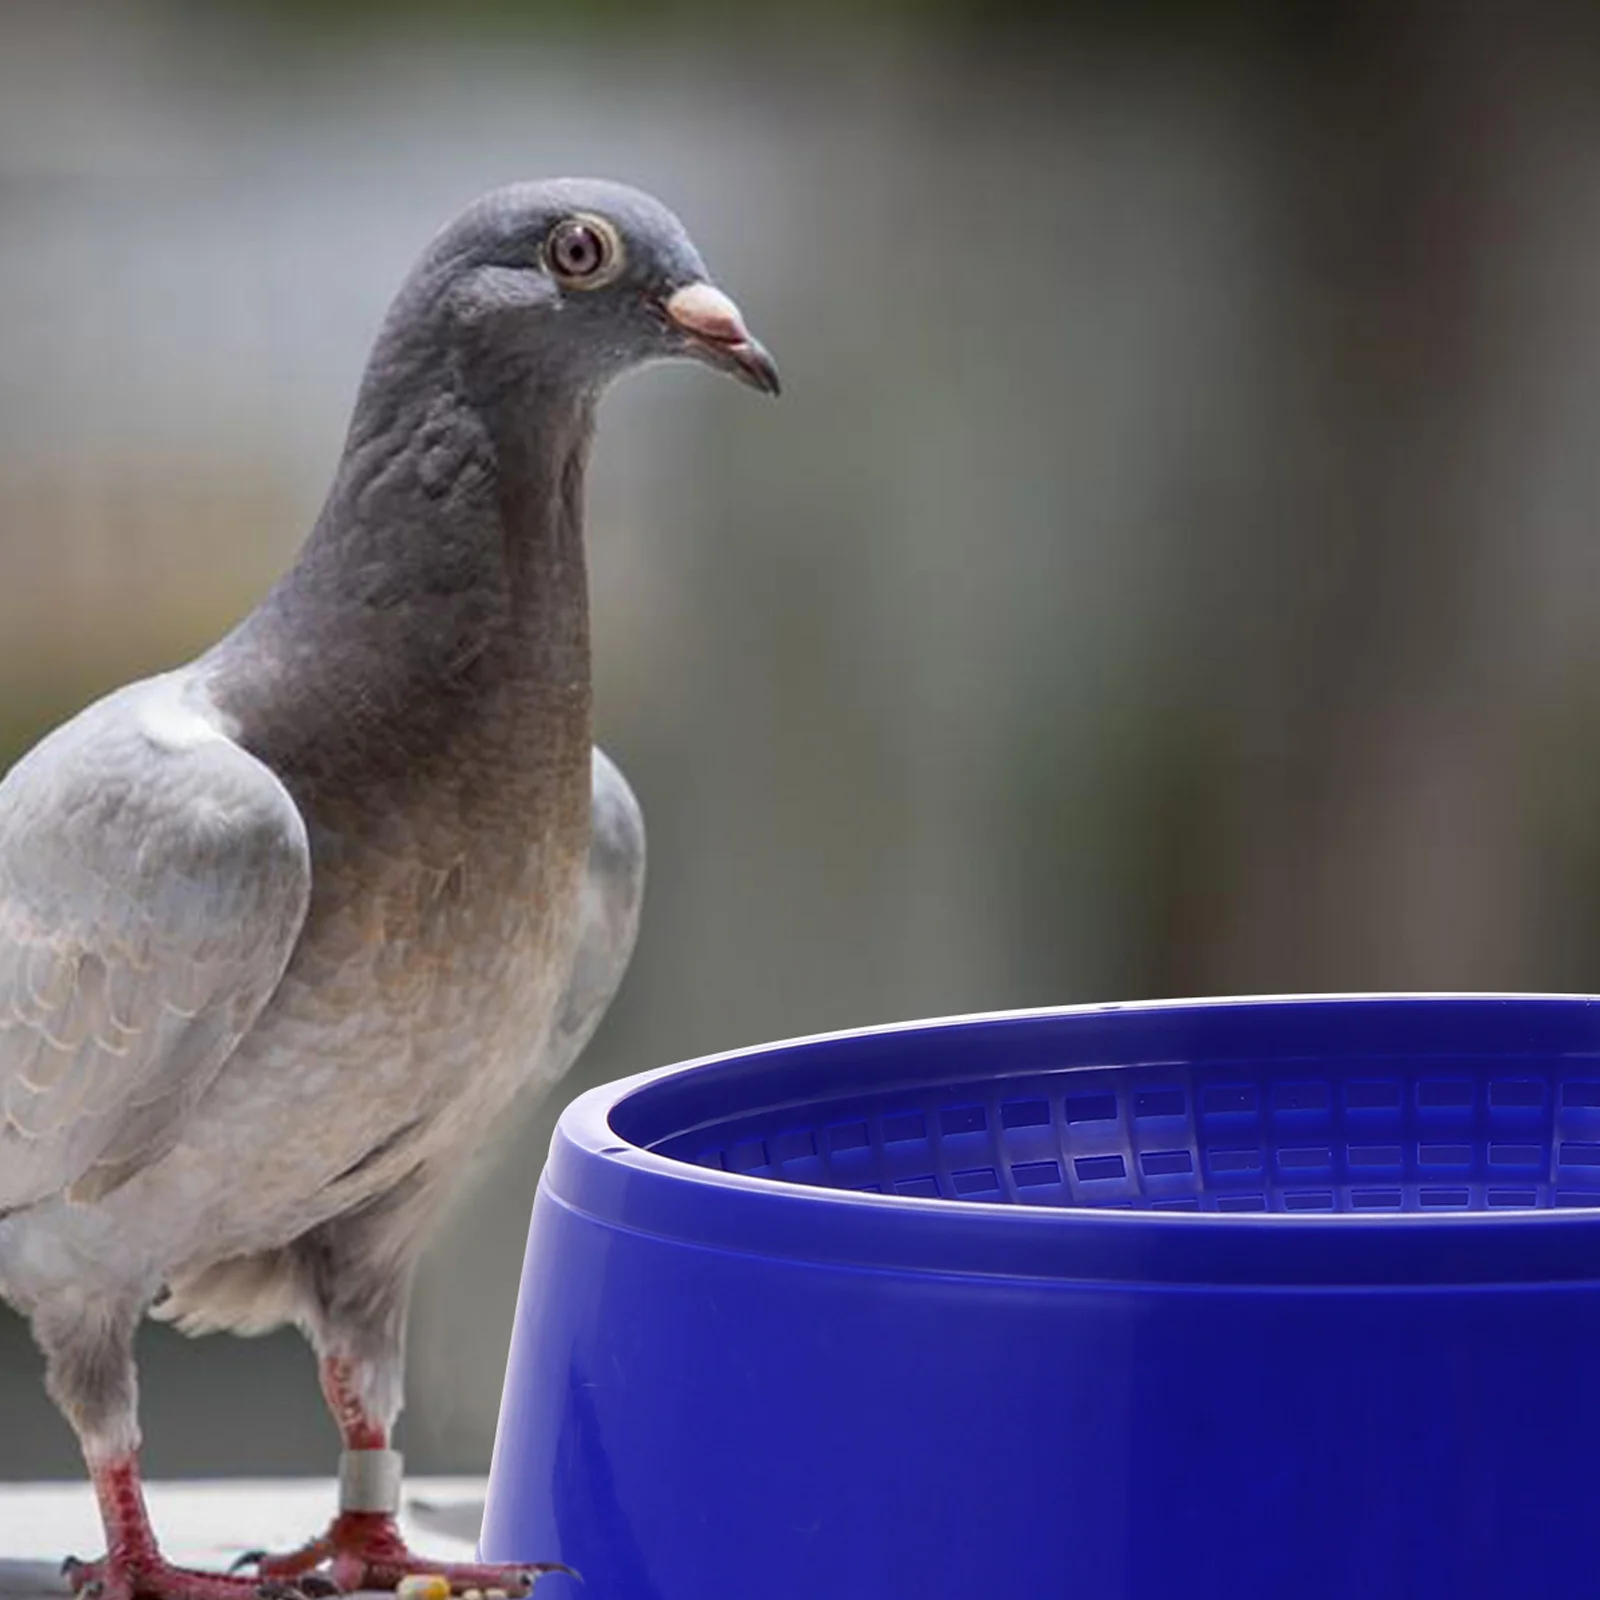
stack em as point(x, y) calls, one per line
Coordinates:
point(1293, 1298)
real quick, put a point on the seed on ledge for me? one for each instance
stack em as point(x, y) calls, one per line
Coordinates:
point(423, 1586)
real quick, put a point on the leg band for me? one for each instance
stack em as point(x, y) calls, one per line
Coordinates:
point(369, 1480)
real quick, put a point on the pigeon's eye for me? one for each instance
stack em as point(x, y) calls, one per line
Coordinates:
point(583, 252)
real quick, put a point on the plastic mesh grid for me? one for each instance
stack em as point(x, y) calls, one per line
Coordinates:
point(1318, 1136)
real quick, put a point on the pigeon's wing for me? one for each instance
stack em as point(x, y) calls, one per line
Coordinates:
point(613, 889)
point(154, 878)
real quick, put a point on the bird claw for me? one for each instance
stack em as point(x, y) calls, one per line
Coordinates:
point(305, 1585)
point(544, 1569)
point(87, 1580)
point(524, 1578)
point(82, 1578)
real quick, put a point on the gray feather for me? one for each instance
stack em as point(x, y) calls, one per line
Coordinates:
point(613, 890)
point(153, 880)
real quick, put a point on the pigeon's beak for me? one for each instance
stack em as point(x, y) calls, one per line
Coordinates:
point(714, 332)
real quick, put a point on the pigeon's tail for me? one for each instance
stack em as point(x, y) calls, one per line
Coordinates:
point(246, 1295)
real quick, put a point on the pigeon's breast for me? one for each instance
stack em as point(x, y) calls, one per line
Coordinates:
point(438, 944)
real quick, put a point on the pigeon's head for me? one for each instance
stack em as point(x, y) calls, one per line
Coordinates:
point(571, 282)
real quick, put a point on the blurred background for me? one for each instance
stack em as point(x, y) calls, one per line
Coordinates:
point(1174, 567)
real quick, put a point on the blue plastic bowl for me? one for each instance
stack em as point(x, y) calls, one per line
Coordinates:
point(1255, 1299)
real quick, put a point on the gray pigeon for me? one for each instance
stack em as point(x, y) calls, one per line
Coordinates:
point(283, 932)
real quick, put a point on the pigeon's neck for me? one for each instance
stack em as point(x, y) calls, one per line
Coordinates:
point(439, 611)
point(456, 522)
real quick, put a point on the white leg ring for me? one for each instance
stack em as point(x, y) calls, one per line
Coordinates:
point(369, 1480)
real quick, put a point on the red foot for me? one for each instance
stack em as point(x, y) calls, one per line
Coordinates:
point(364, 1550)
point(133, 1567)
point(142, 1576)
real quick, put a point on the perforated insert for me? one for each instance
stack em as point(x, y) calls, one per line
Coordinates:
point(1325, 1136)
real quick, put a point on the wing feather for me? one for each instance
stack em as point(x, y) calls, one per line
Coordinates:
point(154, 878)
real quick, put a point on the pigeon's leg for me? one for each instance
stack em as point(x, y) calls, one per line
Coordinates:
point(133, 1567)
point(89, 1371)
point(356, 1272)
point(364, 1549)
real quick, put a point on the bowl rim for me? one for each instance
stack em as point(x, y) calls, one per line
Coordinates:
point(599, 1173)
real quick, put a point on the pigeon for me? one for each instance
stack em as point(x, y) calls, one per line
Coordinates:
point(286, 930)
